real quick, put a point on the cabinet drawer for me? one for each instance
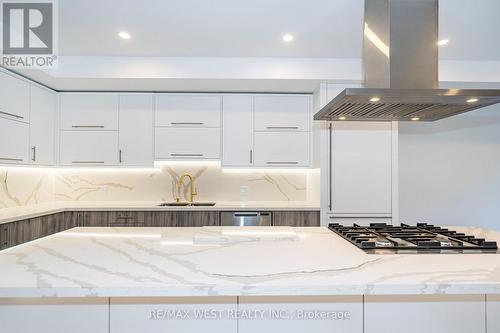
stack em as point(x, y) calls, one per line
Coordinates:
point(282, 149)
point(80, 148)
point(282, 113)
point(14, 141)
point(14, 98)
point(84, 111)
point(187, 143)
point(188, 110)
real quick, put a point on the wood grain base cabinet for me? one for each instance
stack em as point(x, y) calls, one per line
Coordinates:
point(296, 218)
point(183, 219)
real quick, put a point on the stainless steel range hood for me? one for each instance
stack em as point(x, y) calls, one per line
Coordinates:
point(400, 60)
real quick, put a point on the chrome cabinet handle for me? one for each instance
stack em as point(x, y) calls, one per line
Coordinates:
point(87, 162)
point(181, 154)
point(34, 153)
point(11, 159)
point(12, 115)
point(282, 127)
point(120, 156)
point(251, 156)
point(283, 162)
point(88, 126)
point(185, 123)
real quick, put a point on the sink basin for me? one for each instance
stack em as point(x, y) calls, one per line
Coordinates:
point(186, 204)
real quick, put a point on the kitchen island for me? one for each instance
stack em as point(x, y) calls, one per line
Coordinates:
point(233, 279)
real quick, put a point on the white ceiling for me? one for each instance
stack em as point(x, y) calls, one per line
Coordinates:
point(253, 28)
point(189, 45)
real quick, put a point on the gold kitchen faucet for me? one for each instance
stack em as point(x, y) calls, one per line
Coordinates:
point(192, 189)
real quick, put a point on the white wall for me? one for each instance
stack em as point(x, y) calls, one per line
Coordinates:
point(450, 170)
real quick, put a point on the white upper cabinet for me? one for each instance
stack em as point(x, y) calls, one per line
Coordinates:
point(42, 126)
point(187, 143)
point(188, 110)
point(89, 111)
point(89, 148)
point(136, 130)
point(237, 130)
point(282, 149)
point(14, 141)
point(361, 168)
point(282, 113)
point(14, 98)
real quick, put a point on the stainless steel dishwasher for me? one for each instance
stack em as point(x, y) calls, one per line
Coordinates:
point(245, 219)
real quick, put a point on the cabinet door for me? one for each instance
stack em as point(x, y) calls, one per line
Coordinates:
point(318, 314)
point(361, 168)
point(54, 315)
point(296, 218)
point(442, 313)
point(187, 143)
point(43, 108)
point(282, 149)
point(14, 98)
point(136, 130)
point(14, 141)
point(80, 148)
point(493, 311)
point(182, 219)
point(187, 110)
point(282, 112)
point(158, 314)
point(237, 130)
point(89, 111)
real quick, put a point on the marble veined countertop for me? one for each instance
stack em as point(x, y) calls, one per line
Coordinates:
point(25, 212)
point(232, 261)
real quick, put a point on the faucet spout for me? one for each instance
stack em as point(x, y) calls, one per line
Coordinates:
point(192, 189)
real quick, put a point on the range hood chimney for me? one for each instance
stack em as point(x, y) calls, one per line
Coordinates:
point(400, 60)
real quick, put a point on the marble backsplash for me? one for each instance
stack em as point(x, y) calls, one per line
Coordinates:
point(25, 186)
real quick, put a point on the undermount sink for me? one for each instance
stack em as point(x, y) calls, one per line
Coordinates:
point(185, 204)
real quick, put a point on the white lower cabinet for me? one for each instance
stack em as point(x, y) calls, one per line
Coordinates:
point(14, 142)
point(42, 126)
point(282, 149)
point(493, 313)
point(89, 148)
point(54, 315)
point(175, 315)
point(318, 314)
point(187, 143)
point(430, 314)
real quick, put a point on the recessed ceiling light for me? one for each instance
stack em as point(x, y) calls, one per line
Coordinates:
point(443, 42)
point(374, 99)
point(124, 35)
point(415, 118)
point(287, 38)
point(341, 118)
point(472, 100)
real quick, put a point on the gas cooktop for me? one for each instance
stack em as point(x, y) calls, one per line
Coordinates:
point(382, 238)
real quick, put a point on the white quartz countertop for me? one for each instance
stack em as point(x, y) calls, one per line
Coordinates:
point(113, 262)
point(25, 212)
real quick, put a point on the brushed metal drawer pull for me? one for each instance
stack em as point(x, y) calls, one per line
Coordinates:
point(87, 162)
point(283, 162)
point(11, 159)
point(34, 153)
point(187, 155)
point(282, 127)
point(185, 123)
point(120, 156)
point(12, 115)
point(88, 126)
